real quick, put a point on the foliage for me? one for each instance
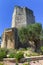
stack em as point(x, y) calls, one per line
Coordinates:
point(3, 53)
point(19, 55)
point(41, 36)
point(32, 54)
point(1, 64)
point(41, 48)
point(31, 32)
point(26, 63)
point(11, 53)
point(34, 31)
point(29, 49)
point(35, 54)
point(16, 63)
point(22, 49)
point(22, 34)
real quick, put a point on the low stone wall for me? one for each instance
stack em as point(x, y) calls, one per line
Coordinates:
point(32, 58)
point(11, 61)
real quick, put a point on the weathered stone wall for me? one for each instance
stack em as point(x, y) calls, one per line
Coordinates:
point(3, 45)
point(22, 17)
point(30, 18)
point(9, 39)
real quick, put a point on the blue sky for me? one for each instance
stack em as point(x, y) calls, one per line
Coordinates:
point(7, 8)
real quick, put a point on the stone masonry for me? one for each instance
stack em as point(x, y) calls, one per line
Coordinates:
point(22, 16)
point(9, 38)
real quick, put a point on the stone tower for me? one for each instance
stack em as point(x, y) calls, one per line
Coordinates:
point(22, 17)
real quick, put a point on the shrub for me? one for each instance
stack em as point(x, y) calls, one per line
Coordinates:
point(22, 49)
point(19, 55)
point(41, 48)
point(11, 51)
point(16, 63)
point(11, 55)
point(3, 53)
point(35, 54)
point(28, 55)
point(26, 63)
point(31, 54)
point(1, 64)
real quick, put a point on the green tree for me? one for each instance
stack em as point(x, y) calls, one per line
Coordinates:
point(41, 35)
point(34, 31)
point(31, 32)
point(22, 34)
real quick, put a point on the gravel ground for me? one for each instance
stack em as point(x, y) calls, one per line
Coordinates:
point(39, 62)
point(10, 63)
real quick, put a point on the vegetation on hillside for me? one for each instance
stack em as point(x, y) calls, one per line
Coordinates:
point(32, 32)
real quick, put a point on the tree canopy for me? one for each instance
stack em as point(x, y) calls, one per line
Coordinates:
point(31, 32)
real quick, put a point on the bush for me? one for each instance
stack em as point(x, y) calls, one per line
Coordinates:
point(19, 55)
point(16, 64)
point(26, 63)
point(41, 48)
point(11, 55)
point(11, 51)
point(31, 54)
point(28, 55)
point(35, 54)
point(22, 49)
point(3, 53)
point(1, 64)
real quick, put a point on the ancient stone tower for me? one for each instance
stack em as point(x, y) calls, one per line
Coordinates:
point(21, 17)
